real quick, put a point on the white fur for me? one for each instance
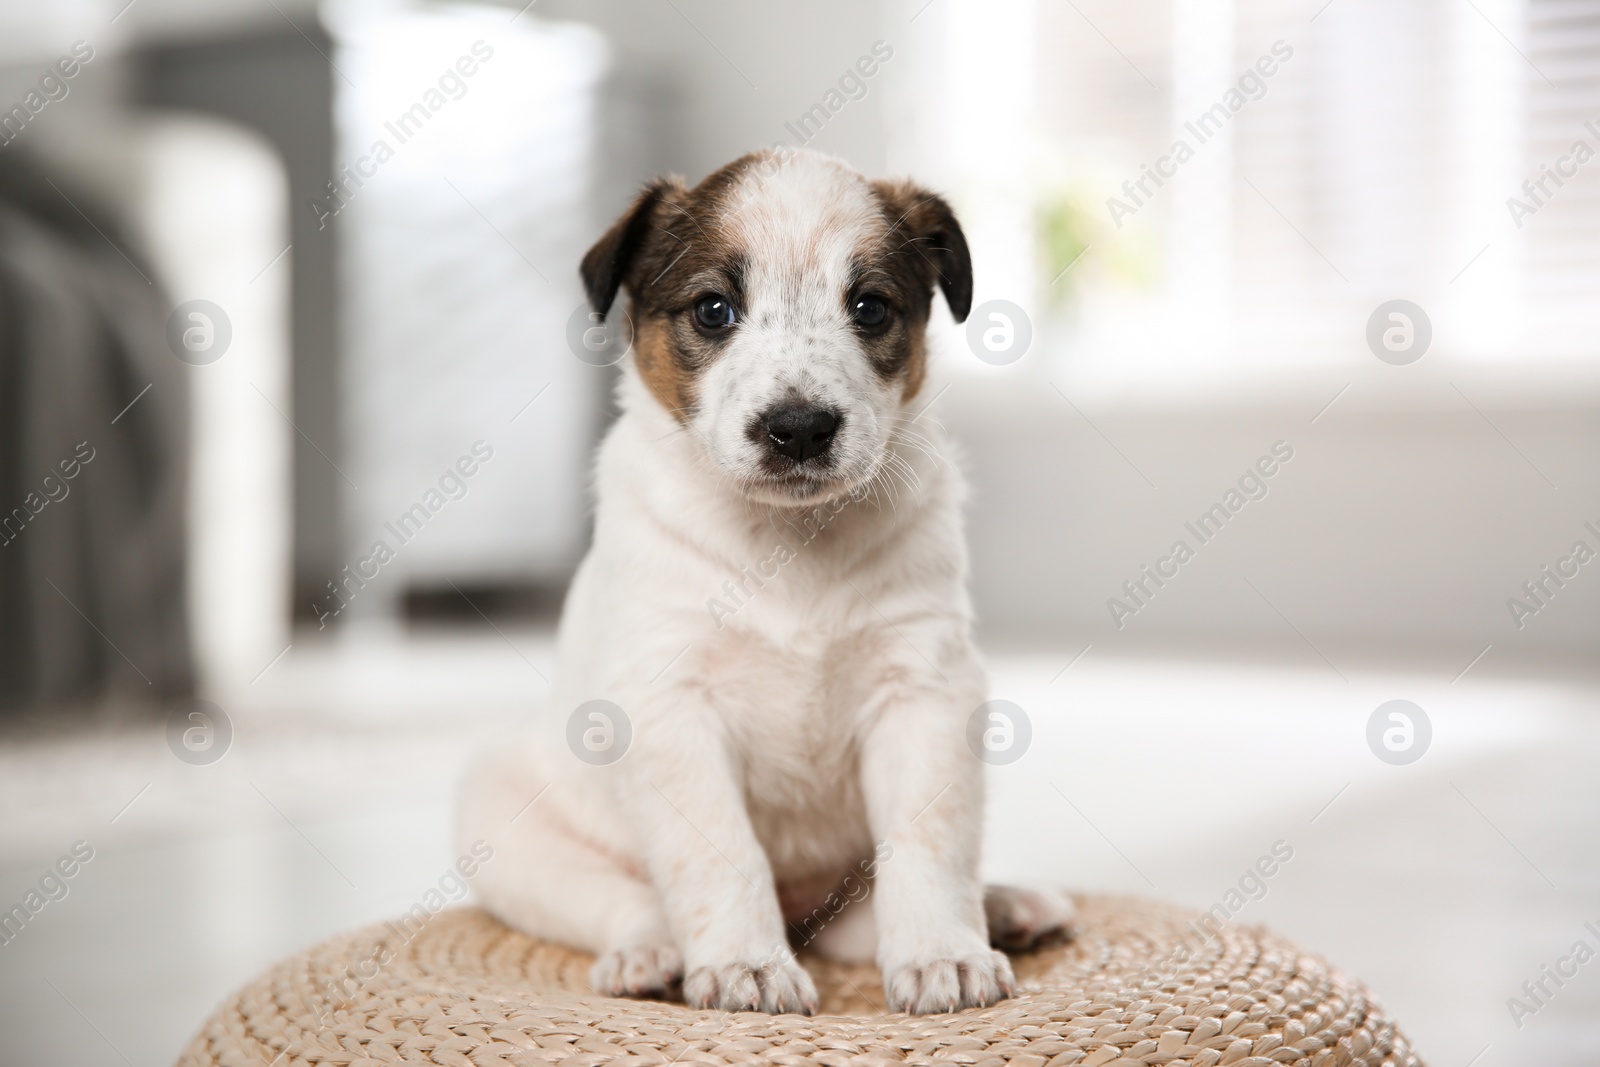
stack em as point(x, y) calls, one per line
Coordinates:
point(818, 722)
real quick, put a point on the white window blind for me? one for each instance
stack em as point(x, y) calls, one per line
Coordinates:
point(1373, 164)
point(1562, 235)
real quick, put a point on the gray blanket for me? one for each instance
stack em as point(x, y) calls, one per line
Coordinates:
point(92, 503)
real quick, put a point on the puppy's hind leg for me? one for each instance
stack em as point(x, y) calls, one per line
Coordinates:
point(549, 882)
point(1024, 919)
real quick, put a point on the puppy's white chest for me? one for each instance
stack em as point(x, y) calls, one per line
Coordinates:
point(794, 726)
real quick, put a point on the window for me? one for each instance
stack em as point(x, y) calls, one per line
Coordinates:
point(1241, 182)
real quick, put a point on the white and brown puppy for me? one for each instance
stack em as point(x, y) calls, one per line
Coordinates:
point(776, 601)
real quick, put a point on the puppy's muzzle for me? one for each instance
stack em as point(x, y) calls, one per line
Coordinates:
point(798, 432)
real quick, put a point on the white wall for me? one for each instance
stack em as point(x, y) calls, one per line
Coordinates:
point(730, 91)
point(1404, 519)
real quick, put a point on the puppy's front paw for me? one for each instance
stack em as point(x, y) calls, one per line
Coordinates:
point(638, 971)
point(1023, 919)
point(948, 985)
point(778, 988)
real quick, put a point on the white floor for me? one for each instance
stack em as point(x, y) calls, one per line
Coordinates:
point(1445, 884)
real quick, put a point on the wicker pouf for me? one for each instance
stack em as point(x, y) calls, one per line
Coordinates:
point(1137, 986)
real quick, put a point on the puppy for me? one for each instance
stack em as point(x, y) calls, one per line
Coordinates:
point(775, 612)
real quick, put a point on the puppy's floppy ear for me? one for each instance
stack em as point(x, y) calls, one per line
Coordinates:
point(924, 220)
point(606, 264)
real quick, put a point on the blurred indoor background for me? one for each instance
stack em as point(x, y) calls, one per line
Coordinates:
point(269, 269)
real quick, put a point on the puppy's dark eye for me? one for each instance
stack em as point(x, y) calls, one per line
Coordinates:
point(869, 311)
point(713, 312)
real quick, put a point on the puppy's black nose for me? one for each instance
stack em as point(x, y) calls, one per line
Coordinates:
point(800, 431)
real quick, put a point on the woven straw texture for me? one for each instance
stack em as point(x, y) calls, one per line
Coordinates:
point(465, 991)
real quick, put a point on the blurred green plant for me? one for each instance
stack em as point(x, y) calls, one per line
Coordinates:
point(1064, 233)
point(1072, 230)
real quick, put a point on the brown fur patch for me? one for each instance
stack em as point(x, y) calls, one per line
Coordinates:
point(916, 371)
point(898, 352)
point(923, 246)
point(682, 251)
point(661, 370)
point(927, 239)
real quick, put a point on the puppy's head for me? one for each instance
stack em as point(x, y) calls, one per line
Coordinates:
point(779, 312)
